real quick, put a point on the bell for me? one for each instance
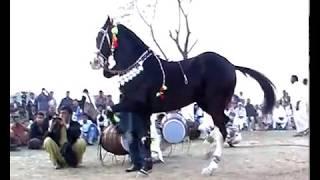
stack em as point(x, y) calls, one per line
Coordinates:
point(140, 68)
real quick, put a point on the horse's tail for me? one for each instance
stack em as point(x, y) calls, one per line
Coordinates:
point(266, 85)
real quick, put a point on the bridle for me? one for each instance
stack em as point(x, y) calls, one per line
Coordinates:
point(126, 75)
point(102, 61)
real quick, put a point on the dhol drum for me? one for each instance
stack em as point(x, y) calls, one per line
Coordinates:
point(174, 128)
point(113, 142)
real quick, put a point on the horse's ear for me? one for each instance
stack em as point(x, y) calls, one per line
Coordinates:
point(108, 20)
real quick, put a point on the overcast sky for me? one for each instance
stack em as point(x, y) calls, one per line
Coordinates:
point(53, 41)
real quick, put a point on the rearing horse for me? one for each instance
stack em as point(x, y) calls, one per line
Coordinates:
point(208, 79)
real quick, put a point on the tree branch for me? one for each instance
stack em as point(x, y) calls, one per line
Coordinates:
point(192, 46)
point(157, 44)
point(151, 28)
point(176, 40)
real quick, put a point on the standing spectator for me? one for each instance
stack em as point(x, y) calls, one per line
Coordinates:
point(101, 100)
point(32, 113)
point(52, 102)
point(285, 99)
point(109, 101)
point(241, 98)
point(67, 101)
point(14, 105)
point(259, 117)
point(42, 101)
point(77, 111)
point(31, 103)
point(279, 117)
point(298, 105)
point(252, 115)
point(37, 132)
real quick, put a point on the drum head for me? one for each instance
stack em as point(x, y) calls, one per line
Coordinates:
point(125, 143)
point(174, 131)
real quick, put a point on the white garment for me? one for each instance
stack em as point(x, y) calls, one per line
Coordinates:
point(52, 102)
point(85, 126)
point(279, 112)
point(240, 118)
point(106, 122)
point(299, 92)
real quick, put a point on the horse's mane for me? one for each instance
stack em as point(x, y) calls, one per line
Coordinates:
point(131, 35)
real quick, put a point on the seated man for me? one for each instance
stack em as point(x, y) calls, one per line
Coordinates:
point(279, 117)
point(37, 132)
point(240, 117)
point(102, 119)
point(19, 133)
point(66, 135)
point(89, 130)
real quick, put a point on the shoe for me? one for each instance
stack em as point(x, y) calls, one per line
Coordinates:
point(299, 134)
point(57, 166)
point(146, 169)
point(306, 132)
point(133, 168)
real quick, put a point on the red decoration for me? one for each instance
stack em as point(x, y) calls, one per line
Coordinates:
point(161, 92)
point(115, 43)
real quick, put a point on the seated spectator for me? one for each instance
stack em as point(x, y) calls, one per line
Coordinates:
point(63, 143)
point(89, 130)
point(279, 117)
point(240, 118)
point(102, 119)
point(20, 133)
point(37, 132)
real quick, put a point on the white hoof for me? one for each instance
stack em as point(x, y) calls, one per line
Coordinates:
point(208, 171)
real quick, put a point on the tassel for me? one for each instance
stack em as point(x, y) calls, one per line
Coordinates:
point(114, 41)
point(161, 92)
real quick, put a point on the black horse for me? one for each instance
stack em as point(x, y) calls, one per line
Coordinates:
point(208, 79)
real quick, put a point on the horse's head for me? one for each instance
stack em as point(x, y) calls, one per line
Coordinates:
point(118, 49)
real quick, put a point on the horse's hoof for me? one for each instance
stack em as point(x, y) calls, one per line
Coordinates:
point(141, 175)
point(207, 171)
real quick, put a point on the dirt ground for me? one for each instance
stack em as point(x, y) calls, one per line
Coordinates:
point(269, 155)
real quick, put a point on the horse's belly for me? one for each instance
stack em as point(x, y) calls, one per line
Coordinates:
point(171, 102)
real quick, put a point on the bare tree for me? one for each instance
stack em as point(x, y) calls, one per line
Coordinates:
point(183, 46)
point(150, 26)
point(183, 49)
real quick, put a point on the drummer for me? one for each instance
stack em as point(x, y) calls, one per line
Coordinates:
point(137, 132)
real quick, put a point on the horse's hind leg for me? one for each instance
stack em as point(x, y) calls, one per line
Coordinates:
point(219, 133)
